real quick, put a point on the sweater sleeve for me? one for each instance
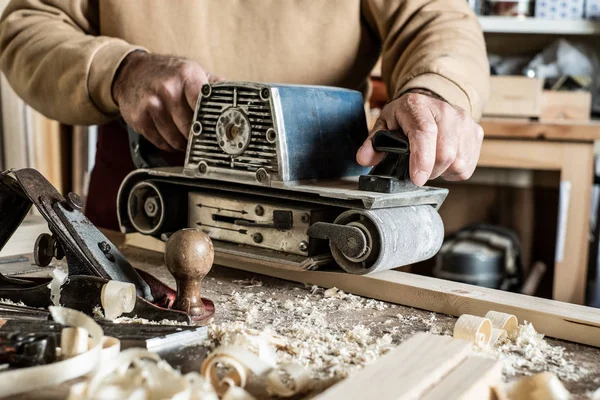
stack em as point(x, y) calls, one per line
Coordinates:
point(54, 59)
point(436, 45)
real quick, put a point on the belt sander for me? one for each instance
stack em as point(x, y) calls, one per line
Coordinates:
point(270, 175)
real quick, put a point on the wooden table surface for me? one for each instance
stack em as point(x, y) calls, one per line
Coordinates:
point(222, 284)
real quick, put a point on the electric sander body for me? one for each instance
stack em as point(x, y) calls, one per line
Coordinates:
point(270, 175)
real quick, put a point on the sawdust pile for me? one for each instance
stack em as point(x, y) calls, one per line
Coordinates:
point(530, 353)
point(304, 333)
point(323, 330)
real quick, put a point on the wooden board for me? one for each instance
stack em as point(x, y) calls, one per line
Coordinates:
point(14, 128)
point(23, 240)
point(48, 149)
point(555, 130)
point(565, 321)
point(514, 96)
point(474, 378)
point(575, 161)
point(569, 106)
point(406, 372)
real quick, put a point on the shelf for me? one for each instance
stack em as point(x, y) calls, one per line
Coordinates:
point(539, 26)
point(549, 130)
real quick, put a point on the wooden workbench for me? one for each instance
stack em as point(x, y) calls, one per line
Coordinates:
point(226, 286)
point(569, 149)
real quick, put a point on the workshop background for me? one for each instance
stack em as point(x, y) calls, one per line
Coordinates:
point(534, 197)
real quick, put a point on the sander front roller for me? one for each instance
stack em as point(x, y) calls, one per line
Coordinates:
point(366, 241)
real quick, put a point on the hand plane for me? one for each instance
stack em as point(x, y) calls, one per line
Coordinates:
point(270, 175)
point(93, 261)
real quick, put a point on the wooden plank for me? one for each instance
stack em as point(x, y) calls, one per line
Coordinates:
point(518, 128)
point(49, 157)
point(406, 372)
point(575, 161)
point(514, 96)
point(567, 106)
point(23, 240)
point(556, 319)
point(141, 241)
point(14, 127)
point(80, 159)
point(474, 378)
point(571, 264)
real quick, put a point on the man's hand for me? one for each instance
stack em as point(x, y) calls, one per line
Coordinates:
point(157, 95)
point(444, 140)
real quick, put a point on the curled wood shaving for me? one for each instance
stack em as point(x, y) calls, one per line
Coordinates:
point(505, 321)
point(237, 362)
point(140, 374)
point(26, 379)
point(497, 335)
point(543, 386)
point(237, 393)
point(252, 355)
point(474, 329)
point(289, 380)
point(117, 298)
point(73, 341)
point(59, 277)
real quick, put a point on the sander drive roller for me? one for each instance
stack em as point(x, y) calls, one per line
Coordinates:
point(393, 236)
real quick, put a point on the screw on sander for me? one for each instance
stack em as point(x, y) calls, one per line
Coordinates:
point(350, 240)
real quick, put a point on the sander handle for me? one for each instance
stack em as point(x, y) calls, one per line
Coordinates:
point(392, 174)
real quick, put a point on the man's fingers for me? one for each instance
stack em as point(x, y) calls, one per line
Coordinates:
point(182, 117)
point(193, 79)
point(212, 78)
point(467, 155)
point(145, 126)
point(447, 143)
point(171, 93)
point(165, 125)
point(366, 155)
point(420, 126)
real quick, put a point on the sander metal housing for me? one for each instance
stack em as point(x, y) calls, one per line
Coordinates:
point(270, 175)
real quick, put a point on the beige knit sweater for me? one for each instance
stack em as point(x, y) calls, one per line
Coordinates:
point(61, 55)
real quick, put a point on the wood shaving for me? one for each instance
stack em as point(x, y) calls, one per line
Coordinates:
point(136, 320)
point(325, 333)
point(248, 283)
point(529, 353)
point(12, 303)
point(305, 335)
point(139, 374)
point(98, 313)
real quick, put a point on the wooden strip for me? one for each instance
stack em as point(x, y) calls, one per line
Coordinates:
point(406, 372)
point(14, 139)
point(518, 128)
point(474, 378)
point(514, 96)
point(565, 106)
point(556, 319)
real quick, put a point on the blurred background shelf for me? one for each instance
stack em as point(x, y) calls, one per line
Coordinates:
point(522, 25)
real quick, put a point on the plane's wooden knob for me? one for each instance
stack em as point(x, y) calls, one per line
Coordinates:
point(189, 256)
